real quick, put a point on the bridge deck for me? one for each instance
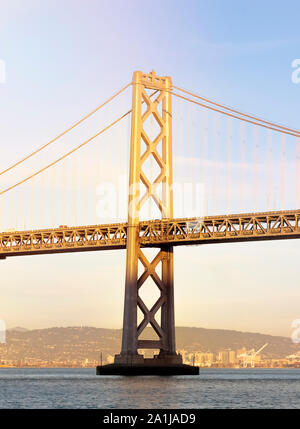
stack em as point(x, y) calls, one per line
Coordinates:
point(178, 232)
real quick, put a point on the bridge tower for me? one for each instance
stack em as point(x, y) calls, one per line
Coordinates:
point(151, 95)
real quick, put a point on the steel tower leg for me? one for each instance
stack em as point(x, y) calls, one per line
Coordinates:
point(151, 96)
point(131, 331)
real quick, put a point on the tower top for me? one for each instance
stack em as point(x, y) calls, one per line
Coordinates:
point(152, 80)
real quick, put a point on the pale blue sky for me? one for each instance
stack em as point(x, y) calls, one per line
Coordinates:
point(63, 58)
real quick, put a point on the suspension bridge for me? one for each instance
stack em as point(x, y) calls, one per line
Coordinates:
point(195, 172)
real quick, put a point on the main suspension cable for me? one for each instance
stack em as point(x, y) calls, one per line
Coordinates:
point(66, 131)
point(73, 150)
point(295, 134)
point(66, 154)
point(236, 111)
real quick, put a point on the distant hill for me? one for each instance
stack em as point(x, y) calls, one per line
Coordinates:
point(214, 340)
point(18, 329)
point(79, 343)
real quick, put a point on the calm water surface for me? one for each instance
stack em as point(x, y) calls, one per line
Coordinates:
point(81, 388)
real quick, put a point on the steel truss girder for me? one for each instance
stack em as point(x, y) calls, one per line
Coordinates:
point(176, 232)
point(242, 227)
point(270, 225)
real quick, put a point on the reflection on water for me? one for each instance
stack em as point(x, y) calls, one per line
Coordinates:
point(213, 388)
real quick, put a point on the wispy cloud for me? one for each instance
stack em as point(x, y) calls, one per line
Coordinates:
point(240, 48)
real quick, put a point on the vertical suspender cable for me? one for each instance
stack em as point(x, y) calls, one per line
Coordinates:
point(94, 182)
point(255, 172)
point(76, 190)
point(8, 213)
point(297, 172)
point(85, 163)
point(206, 168)
point(216, 195)
point(41, 200)
point(99, 155)
point(199, 151)
point(199, 132)
point(43, 196)
point(282, 171)
point(52, 199)
point(269, 169)
point(31, 199)
point(195, 167)
point(242, 162)
point(63, 193)
point(111, 150)
point(189, 154)
point(229, 163)
point(189, 147)
point(13, 210)
point(181, 156)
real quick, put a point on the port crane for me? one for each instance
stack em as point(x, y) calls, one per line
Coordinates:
point(249, 357)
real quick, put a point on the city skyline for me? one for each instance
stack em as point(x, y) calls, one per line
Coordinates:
point(85, 346)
